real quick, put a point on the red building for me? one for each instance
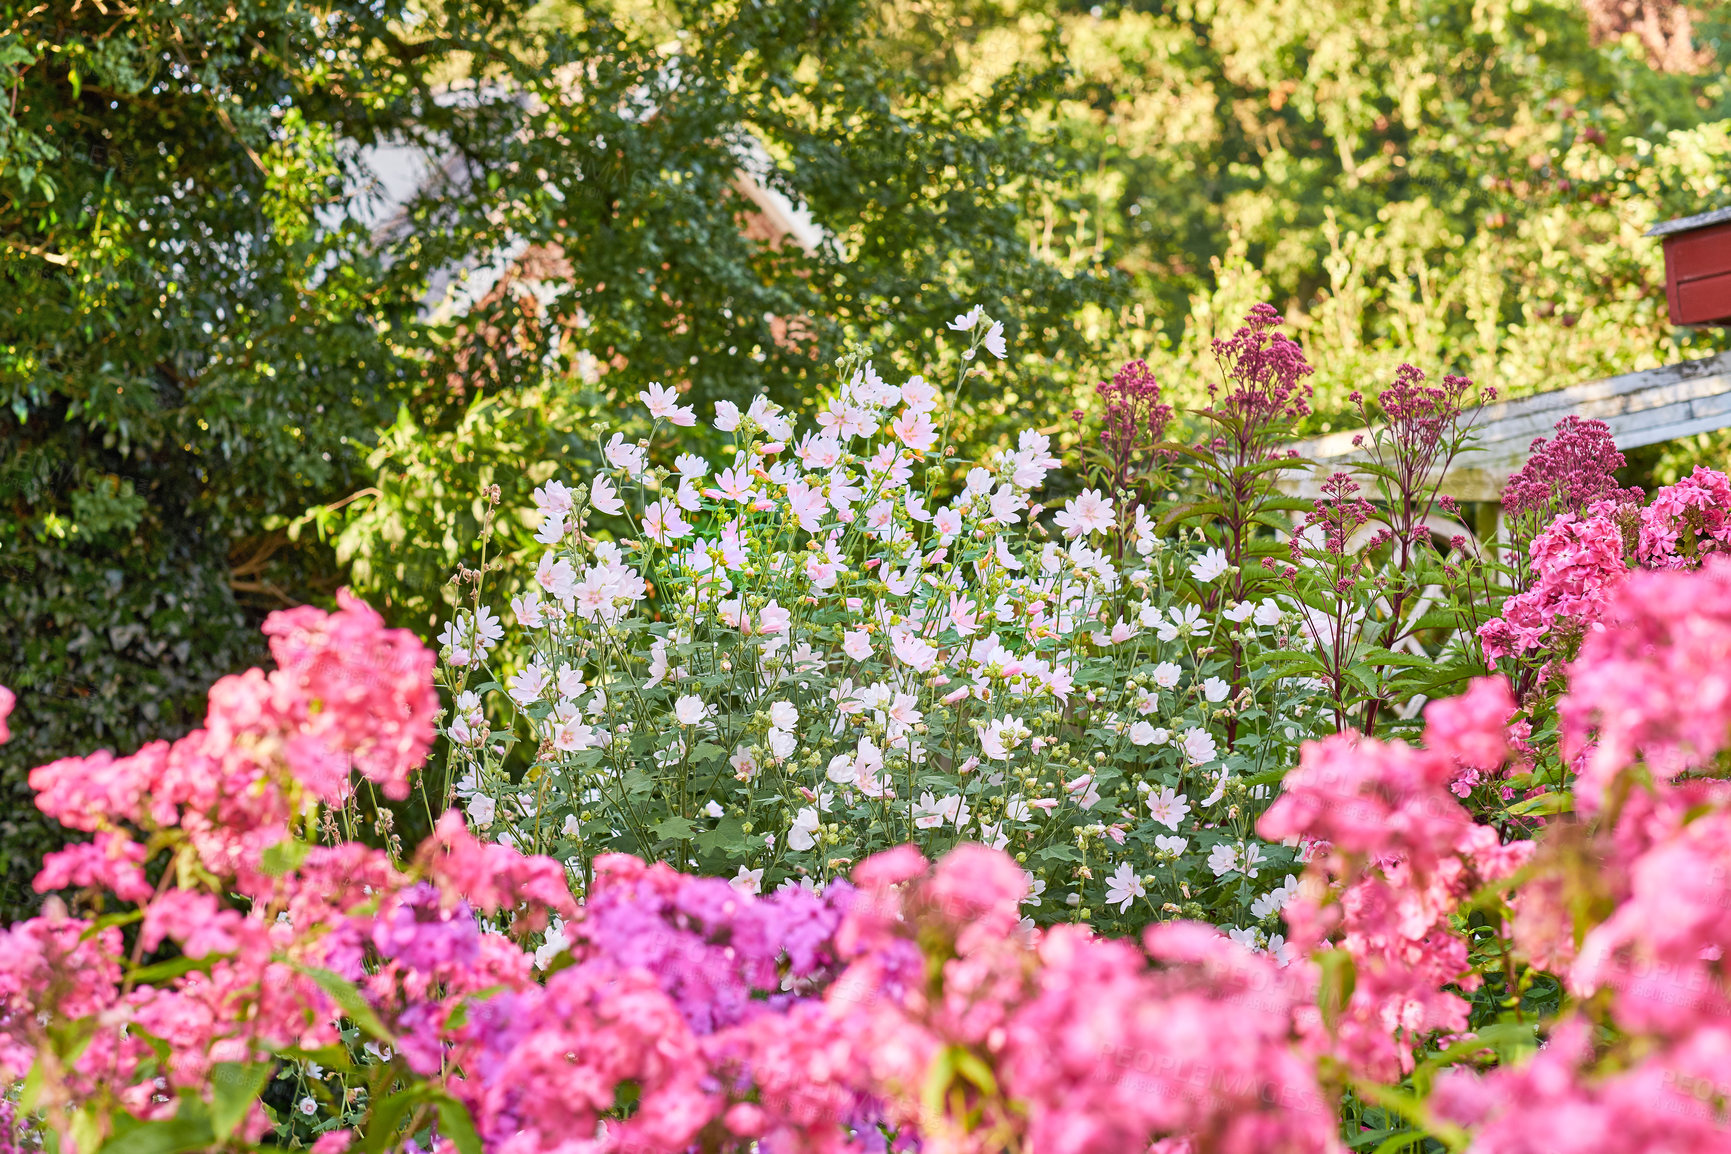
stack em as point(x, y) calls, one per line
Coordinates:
point(1698, 267)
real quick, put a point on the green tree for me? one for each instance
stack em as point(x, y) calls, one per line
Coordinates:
point(213, 306)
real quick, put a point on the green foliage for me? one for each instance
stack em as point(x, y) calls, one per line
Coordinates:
point(212, 309)
point(1455, 184)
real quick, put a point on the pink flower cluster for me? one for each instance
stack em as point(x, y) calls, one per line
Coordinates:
point(1580, 559)
point(1577, 563)
point(675, 989)
point(257, 978)
point(1568, 473)
point(1265, 369)
point(1686, 521)
point(1666, 631)
point(347, 692)
point(1396, 854)
point(1064, 1042)
point(1639, 1063)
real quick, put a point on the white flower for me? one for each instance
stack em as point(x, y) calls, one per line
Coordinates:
point(992, 834)
point(1199, 746)
point(1215, 689)
point(309, 1107)
point(627, 455)
point(1279, 950)
point(781, 744)
point(911, 651)
point(1005, 557)
point(1209, 566)
point(529, 684)
point(662, 523)
point(605, 497)
point(552, 529)
point(966, 321)
point(748, 881)
point(919, 396)
point(1007, 505)
point(528, 609)
point(482, 810)
point(572, 735)
point(857, 644)
point(690, 710)
point(726, 416)
point(1036, 887)
point(1166, 674)
point(1219, 789)
point(1239, 612)
point(1267, 613)
point(1249, 939)
point(804, 826)
point(1168, 807)
point(994, 341)
point(1275, 899)
point(744, 765)
point(553, 946)
point(1182, 622)
point(1167, 844)
point(1001, 736)
point(1084, 792)
point(1087, 512)
point(783, 715)
point(713, 809)
point(555, 575)
point(1124, 887)
point(930, 812)
point(1141, 733)
point(663, 404)
point(1222, 860)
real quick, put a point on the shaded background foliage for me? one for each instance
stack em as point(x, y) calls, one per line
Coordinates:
point(215, 319)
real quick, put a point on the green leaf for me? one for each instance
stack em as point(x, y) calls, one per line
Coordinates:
point(455, 1124)
point(169, 1136)
point(728, 833)
point(173, 968)
point(345, 995)
point(386, 1117)
point(675, 829)
point(234, 1087)
point(1556, 801)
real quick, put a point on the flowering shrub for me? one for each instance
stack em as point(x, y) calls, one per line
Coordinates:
point(837, 639)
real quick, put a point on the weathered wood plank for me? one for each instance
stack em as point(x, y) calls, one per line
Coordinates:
point(1644, 408)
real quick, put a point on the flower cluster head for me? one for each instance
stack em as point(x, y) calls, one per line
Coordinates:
point(1626, 698)
point(1418, 417)
point(1569, 472)
point(1579, 560)
point(1134, 420)
point(1628, 906)
point(348, 695)
point(1264, 371)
